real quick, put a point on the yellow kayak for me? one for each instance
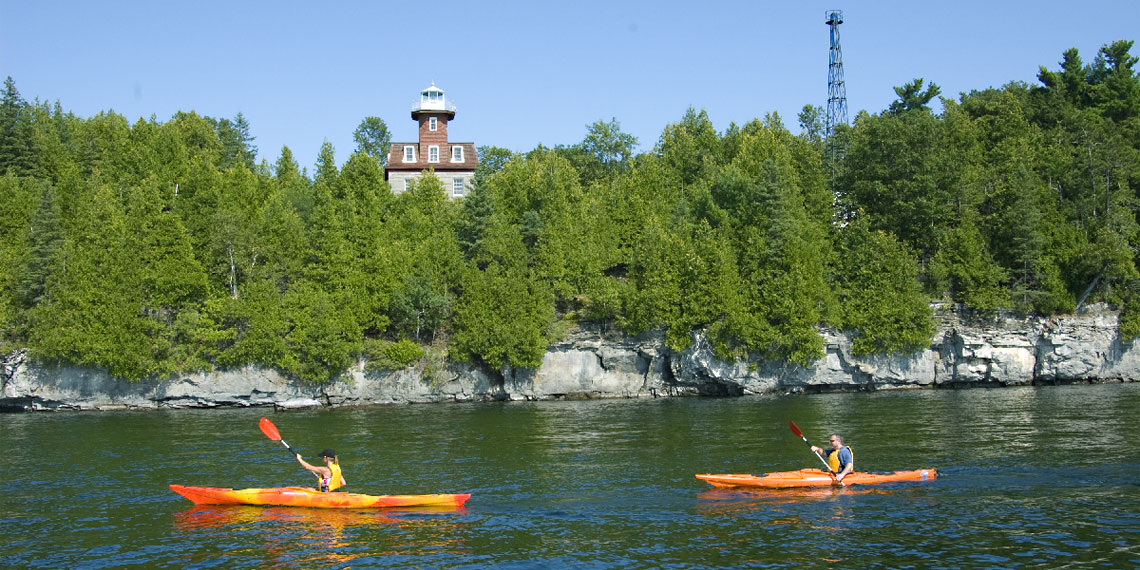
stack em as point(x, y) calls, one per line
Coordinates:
point(309, 497)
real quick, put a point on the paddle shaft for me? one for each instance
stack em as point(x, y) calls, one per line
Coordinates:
point(292, 453)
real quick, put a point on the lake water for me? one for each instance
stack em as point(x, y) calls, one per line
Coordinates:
point(1043, 477)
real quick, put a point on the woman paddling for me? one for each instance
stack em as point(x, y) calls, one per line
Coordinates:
point(329, 475)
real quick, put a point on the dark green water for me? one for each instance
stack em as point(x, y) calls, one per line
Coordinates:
point(1028, 478)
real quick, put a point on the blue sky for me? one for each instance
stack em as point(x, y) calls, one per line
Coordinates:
point(520, 73)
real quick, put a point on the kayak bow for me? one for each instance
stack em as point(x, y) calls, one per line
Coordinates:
point(308, 497)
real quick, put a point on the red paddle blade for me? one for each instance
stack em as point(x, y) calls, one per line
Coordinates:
point(792, 425)
point(269, 429)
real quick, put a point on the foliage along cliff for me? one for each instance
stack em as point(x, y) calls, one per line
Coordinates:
point(155, 249)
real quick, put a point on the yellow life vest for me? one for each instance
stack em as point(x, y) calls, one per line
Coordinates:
point(334, 481)
point(833, 458)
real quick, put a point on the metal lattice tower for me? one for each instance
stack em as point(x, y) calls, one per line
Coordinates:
point(836, 91)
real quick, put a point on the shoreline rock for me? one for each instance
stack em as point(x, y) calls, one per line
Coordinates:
point(966, 351)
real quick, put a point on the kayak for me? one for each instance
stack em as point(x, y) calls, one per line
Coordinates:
point(813, 478)
point(309, 497)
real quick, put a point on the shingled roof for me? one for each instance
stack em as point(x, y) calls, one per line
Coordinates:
point(396, 158)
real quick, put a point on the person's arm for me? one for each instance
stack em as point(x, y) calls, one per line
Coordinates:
point(319, 470)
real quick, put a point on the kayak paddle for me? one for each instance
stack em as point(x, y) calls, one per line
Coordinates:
point(800, 434)
point(271, 432)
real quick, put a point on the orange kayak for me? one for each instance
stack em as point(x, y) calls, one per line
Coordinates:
point(813, 478)
point(309, 497)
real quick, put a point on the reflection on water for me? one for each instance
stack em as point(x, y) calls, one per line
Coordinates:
point(215, 516)
point(320, 538)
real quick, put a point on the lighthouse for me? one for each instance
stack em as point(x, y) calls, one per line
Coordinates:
point(453, 162)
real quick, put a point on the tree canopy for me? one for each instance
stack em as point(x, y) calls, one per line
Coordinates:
point(161, 246)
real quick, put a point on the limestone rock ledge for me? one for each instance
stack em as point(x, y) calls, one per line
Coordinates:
point(966, 351)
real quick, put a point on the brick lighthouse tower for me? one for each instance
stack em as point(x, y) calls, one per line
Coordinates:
point(453, 162)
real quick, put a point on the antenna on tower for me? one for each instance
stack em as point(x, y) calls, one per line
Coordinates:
point(836, 91)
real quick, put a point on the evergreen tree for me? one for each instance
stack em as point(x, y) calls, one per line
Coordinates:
point(17, 152)
point(690, 146)
point(503, 318)
point(97, 322)
point(879, 291)
point(236, 143)
point(913, 98)
point(296, 189)
point(44, 237)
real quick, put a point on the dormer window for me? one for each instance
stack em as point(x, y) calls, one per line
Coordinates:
point(409, 153)
point(456, 154)
point(433, 153)
point(433, 124)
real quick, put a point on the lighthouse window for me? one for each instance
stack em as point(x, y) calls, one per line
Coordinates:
point(433, 153)
point(432, 124)
point(409, 153)
point(456, 154)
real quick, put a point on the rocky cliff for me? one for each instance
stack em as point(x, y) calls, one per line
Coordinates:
point(966, 351)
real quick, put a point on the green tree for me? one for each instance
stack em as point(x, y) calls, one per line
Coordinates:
point(427, 265)
point(913, 98)
point(373, 139)
point(1115, 89)
point(491, 160)
point(17, 152)
point(1070, 83)
point(323, 337)
point(255, 325)
point(236, 141)
point(366, 200)
point(296, 188)
point(97, 322)
point(654, 270)
point(503, 317)
point(421, 304)
point(965, 269)
point(29, 238)
point(604, 152)
point(811, 123)
point(44, 238)
point(783, 251)
point(878, 288)
point(906, 172)
point(690, 146)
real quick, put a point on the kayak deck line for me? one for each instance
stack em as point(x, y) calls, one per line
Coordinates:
point(309, 497)
point(812, 478)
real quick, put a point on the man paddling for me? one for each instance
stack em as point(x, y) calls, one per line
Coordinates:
point(839, 458)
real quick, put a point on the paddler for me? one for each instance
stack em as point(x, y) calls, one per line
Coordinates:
point(839, 458)
point(329, 475)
